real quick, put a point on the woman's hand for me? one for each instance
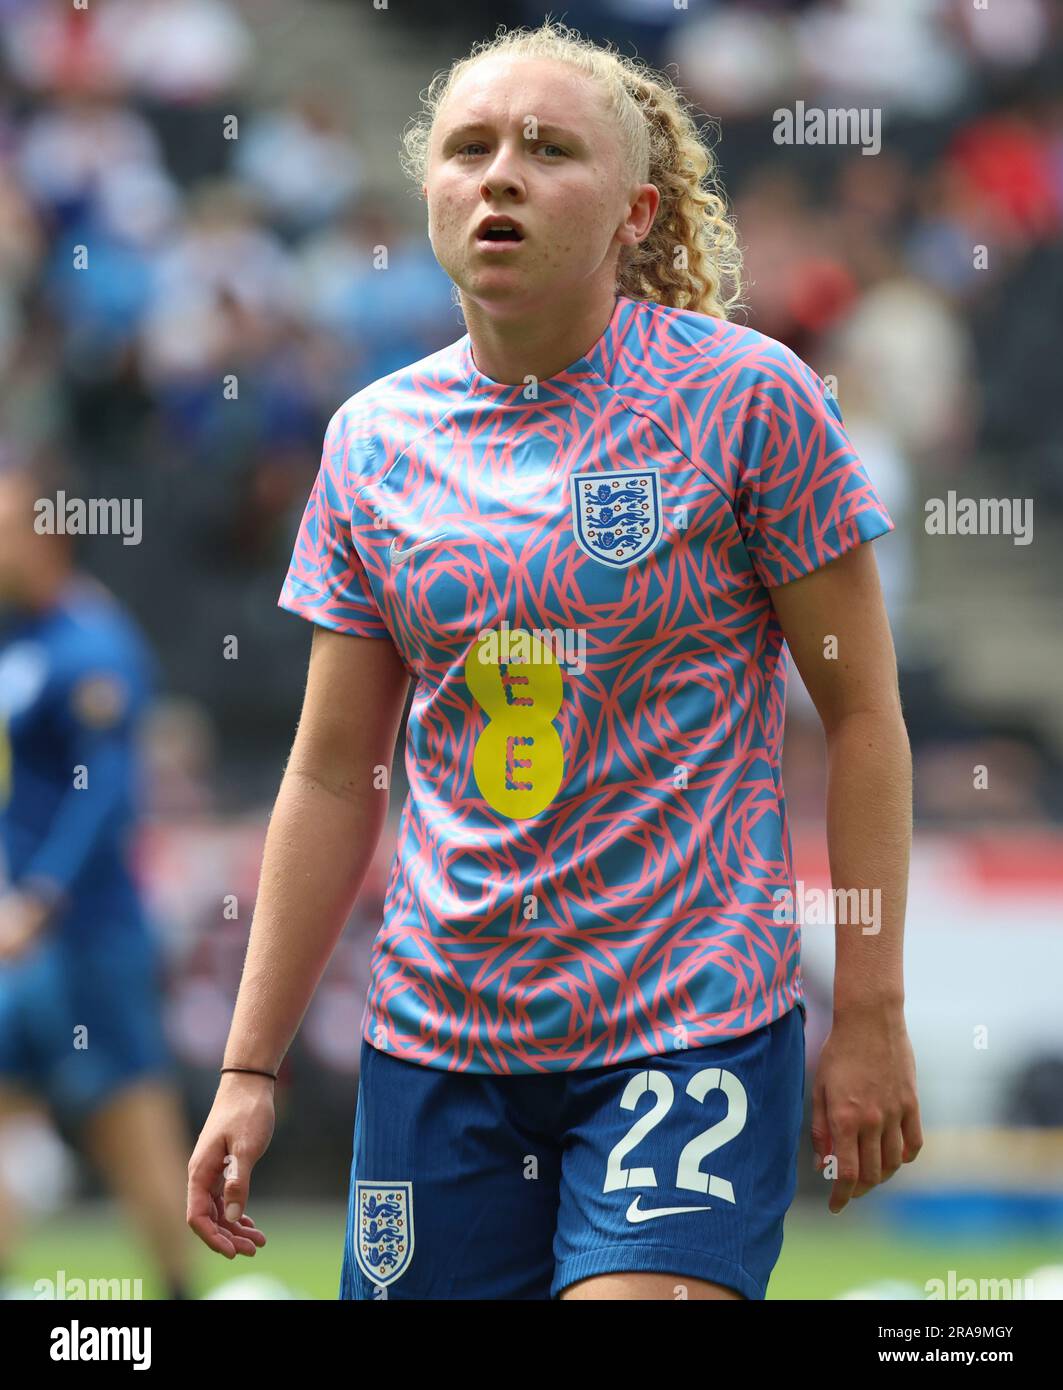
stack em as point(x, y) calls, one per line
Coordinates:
point(865, 1113)
point(235, 1136)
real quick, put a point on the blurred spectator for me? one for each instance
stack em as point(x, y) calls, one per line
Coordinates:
point(1004, 36)
point(734, 61)
point(177, 50)
point(1006, 160)
point(370, 281)
point(300, 161)
point(222, 276)
point(180, 755)
point(71, 151)
point(174, 50)
point(945, 777)
point(899, 56)
point(912, 354)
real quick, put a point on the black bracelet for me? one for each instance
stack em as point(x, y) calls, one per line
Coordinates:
point(253, 1070)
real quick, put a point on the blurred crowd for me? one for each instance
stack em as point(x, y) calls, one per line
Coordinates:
point(192, 280)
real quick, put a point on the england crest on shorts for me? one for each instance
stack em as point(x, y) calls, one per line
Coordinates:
point(616, 517)
point(383, 1238)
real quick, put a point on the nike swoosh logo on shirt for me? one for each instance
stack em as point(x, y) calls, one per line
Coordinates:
point(397, 555)
point(635, 1214)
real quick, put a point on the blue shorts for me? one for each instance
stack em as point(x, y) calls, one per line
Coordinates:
point(80, 1022)
point(512, 1187)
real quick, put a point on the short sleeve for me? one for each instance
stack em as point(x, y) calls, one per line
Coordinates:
point(105, 681)
point(803, 496)
point(326, 580)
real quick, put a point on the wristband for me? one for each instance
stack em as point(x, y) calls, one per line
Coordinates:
point(253, 1070)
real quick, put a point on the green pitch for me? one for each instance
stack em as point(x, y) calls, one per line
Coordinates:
point(822, 1256)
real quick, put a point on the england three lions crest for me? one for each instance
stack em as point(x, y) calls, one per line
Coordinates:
point(383, 1240)
point(616, 516)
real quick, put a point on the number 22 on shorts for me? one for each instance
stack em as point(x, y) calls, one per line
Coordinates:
point(688, 1171)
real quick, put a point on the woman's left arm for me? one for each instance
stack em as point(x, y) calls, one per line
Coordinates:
point(865, 1114)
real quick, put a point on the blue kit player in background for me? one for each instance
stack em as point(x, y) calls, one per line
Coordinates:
point(79, 1001)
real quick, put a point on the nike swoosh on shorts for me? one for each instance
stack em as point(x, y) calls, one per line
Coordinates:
point(635, 1214)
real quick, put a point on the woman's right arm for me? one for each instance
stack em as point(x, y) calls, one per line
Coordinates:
point(322, 836)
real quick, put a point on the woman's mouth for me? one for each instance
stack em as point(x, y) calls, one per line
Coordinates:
point(493, 244)
point(498, 233)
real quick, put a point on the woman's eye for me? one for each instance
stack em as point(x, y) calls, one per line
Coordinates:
point(478, 145)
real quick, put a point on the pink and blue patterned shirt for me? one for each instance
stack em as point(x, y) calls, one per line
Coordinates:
point(576, 573)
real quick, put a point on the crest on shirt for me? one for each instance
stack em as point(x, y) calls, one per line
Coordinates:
point(616, 517)
point(383, 1238)
point(100, 700)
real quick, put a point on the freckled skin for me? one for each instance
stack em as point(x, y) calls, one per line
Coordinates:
point(539, 308)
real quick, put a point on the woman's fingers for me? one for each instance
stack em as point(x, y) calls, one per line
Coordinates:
point(232, 1230)
point(201, 1218)
point(244, 1234)
point(205, 1212)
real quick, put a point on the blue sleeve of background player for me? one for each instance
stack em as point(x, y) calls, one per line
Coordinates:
point(101, 699)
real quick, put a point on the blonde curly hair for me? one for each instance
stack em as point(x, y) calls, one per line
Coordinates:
point(691, 258)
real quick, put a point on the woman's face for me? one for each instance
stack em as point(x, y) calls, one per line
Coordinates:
point(532, 140)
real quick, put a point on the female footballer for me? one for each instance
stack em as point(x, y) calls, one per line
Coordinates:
point(585, 530)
